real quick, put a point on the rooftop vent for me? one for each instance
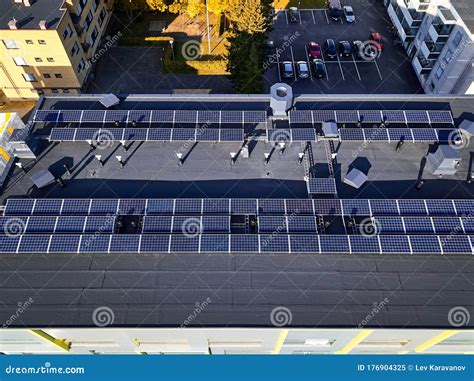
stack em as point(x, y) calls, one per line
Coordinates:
point(42, 24)
point(12, 24)
point(281, 98)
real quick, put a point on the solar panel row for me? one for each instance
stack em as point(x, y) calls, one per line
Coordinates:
point(50, 224)
point(424, 225)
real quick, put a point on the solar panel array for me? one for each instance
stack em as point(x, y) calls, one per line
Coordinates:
point(424, 225)
point(57, 224)
point(318, 185)
point(372, 116)
point(236, 243)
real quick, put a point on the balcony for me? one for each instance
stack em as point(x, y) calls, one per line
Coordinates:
point(440, 32)
point(412, 17)
point(422, 65)
point(431, 50)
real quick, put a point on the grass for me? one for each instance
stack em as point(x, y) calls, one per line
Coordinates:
point(303, 4)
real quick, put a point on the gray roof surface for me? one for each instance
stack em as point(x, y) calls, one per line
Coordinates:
point(28, 17)
point(464, 8)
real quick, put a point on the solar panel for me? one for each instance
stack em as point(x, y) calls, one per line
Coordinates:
point(132, 206)
point(395, 244)
point(334, 244)
point(412, 207)
point(468, 224)
point(22, 206)
point(70, 224)
point(232, 134)
point(140, 116)
point(48, 207)
point(255, 116)
point(46, 116)
point(418, 225)
point(157, 224)
point(352, 134)
point(320, 116)
point(187, 225)
point(356, 207)
point(393, 116)
point(400, 134)
point(280, 135)
point(347, 116)
point(64, 243)
point(125, 243)
point(243, 206)
point(106, 135)
point(135, 134)
point(104, 206)
point(299, 206)
point(303, 134)
point(62, 134)
point(441, 117)
point(159, 134)
point(41, 225)
point(321, 185)
point(304, 244)
point(456, 244)
point(34, 244)
point(184, 244)
point(370, 116)
point(231, 117)
point(185, 116)
point(414, 116)
point(8, 244)
point(99, 224)
point(271, 206)
point(207, 135)
point(208, 117)
point(216, 224)
point(244, 243)
point(214, 243)
point(160, 206)
point(302, 224)
point(440, 207)
point(425, 244)
point(274, 244)
point(272, 224)
point(183, 134)
point(216, 206)
point(327, 207)
point(86, 134)
point(13, 225)
point(389, 225)
point(162, 116)
point(450, 136)
point(424, 135)
point(300, 116)
point(93, 116)
point(116, 115)
point(70, 116)
point(376, 134)
point(188, 206)
point(384, 207)
point(463, 207)
point(447, 225)
point(364, 244)
point(94, 243)
point(75, 206)
point(154, 244)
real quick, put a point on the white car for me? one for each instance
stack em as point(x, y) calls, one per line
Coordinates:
point(349, 14)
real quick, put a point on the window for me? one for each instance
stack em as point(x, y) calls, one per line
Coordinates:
point(457, 39)
point(439, 72)
point(91, 40)
point(95, 4)
point(87, 22)
point(42, 42)
point(67, 32)
point(102, 15)
point(37, 59)
point(46, 75)
point(83, 2)
point(78, 9)
point(10, 44)
point(29, 42)
point(81, 65)
point(20, 61)
point(75, 49)
point(449, 56)
point(50, 59)
point(58, 75)
point(29, 77)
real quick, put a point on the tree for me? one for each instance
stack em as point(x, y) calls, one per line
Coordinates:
point(249, 16)
point(131, 6)
point(157, 5)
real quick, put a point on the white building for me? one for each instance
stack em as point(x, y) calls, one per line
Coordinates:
point(438, 37)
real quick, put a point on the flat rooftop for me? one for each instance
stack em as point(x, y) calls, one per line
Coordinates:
point(28, 17)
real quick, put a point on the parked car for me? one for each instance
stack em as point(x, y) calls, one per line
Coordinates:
point(314, 50)
point(345, 48)
point(335, 13)
point(377, 41)
point(302, 69)
point(358, 48)
point(349, 13)
point(287, 69)
point(364, 50)
point(319, 68)
point(330, 48)
point(294, 15)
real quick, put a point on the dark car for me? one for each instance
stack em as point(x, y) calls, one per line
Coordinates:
point(314, 50)
point(319, 68)
point(364, 50)
point(287, 69)
point(358, 48)
point(335, 13)
point(330, 48)
point(376, 40)
point(345, 49)
point(294, 15)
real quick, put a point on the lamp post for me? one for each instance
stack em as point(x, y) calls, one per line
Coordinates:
point(208, 29)
point(172, 50)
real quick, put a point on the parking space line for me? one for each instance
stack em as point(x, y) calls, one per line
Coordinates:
point(377, 66)
point(325, 66)
point(278, 64)
point(293, 62)
point(309, 64)
point(326, 14)
point(312, 14)
point(357, 69)
point(299, 14)
point(340, 67)
point(286, 16)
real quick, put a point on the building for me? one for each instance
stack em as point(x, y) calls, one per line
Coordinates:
point(224, 224)
point(438, 37)
point(48, 45)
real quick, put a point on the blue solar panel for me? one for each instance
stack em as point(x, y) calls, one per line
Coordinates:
point(356, 207)
point(132, 206)
point(272, 224)
point(393, 116)
point(135, 134)
point(93, 116)
point(370, 116)
point(184, 244)
point(87, 134)
point(140, 116)
point(450, 136)
point(104, 206)
point(384, 207)
point(62, 134)
point(100, 224)
point(95, 243)
point(162, 116)
point(412, 207)
point(48, 206)
point(274, 244)
point(183, 134)
point(414, 116)
point(231, 117)
point(154, 244)
point(376, 134)
point(76, 206)
point(352, 134)
point(215, 224)
point(159, 134)
point(424, 135)
point(456, 244)
point(34, 244)
point(46, 116)
point(447, 225)
point(255, 116)
point(214, 243)
point(124, 243)
point(389, 225)
point(468, 224)
point(334, 244)
point(188, 206)
point(207, 135)
point(364, 244)
point(8, 244)
point(70, 224)
point(304, 244)
point(160, 206)
point(271, 206)
point(300, 116)
point(41, 225)
point(425, 244)
point(397, 134)
point(232, 134)
point(185, 116)
point(327, 207)
point(23, 206)
point(243, 243)
point(70, 116)
point(321, 185)
point(441, 207)
point(463, 207)
point(216, 206)
point(441, 117)
point(418, 225)
point(347, 116)
point(299, 206)
point(157, 224)
point(208, 117)
point(107, 135)
point(187, 225)
point(64, 243)
point(303, 134)
point(395, 244)
point(320, 116)
point(13, 225)
point(302, 224)
point(243, 206)
point(116, 115)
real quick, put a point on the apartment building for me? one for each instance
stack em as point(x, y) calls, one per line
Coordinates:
point(438, 37)
point(47, 45)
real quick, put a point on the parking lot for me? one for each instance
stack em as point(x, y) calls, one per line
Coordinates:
point(390, 72)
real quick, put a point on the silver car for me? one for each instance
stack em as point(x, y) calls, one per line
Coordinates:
point(349, 14)
point(287, 69)
point(303, 69)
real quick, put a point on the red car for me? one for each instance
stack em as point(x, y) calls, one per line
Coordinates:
point(377, 40)
point(314, 50)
